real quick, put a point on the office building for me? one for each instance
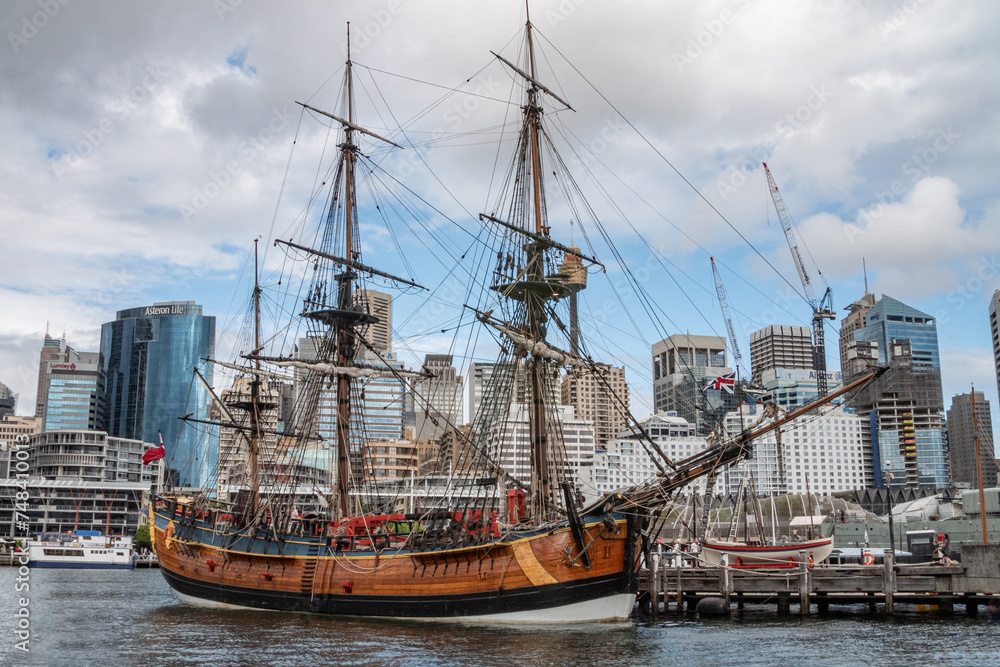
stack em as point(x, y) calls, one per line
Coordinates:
point(780, 346)
point(599, 397)
point(493, 387)
point(824, 452)
point(8, 401)
point(90, 456)
point(906, 435)
point(962, 432)
point(856, 356)
point(377, 334)
point(793, 388)
point(74, 395)
point(377, 413)
point(150, 354)
point(625, 460)
point(508, 443)
point(995, 334)
point(682, 367)
point(55, 350)
point(438, 400)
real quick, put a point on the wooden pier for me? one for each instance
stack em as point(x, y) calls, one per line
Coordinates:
point(972, 583)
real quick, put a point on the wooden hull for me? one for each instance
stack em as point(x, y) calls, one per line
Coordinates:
point(742, 554)
point(531, 579)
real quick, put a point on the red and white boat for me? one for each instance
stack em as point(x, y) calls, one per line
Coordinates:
point(742, 554)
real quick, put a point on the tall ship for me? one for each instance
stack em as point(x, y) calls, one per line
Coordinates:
point(492, 543)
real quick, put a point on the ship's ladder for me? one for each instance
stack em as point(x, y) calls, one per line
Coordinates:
point(309, 569)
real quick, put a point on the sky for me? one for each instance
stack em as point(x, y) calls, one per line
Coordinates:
point(147, 144)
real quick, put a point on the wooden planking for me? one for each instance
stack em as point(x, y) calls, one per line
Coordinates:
point(528, 562)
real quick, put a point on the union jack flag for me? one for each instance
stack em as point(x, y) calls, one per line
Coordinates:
point(723, 382)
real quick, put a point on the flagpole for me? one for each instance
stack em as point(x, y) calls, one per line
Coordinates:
point(739, 397)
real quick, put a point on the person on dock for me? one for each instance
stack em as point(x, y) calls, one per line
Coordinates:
point(943, 549)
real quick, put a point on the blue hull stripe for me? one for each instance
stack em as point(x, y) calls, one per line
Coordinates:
point(83, 566)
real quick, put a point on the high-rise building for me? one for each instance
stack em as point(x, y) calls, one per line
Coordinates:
point(793, 388)
point(53, 349)
point(625, 460)
point(571, 447)
point(995, 333)
point(682, 366)
point(90, 456)
point(962, 441)
point(234, 441)
point(8, 401)
point(150, 354)
point(74, 392)
point(855, 356)
point(378, 413)
point(377, 334)
point(495, 386)
point(600, 397)
point(11, 428)
point(822, 451)
point(438, 401)
point(905, 405)
point(780, 346)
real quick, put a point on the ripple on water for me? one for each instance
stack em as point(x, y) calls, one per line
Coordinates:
point(122, 618)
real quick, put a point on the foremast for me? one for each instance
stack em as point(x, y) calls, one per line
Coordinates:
point(534, 289)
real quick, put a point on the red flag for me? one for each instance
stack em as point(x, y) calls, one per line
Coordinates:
point(154, 454)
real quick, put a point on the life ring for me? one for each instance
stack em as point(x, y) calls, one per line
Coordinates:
point(868, 559)
point(168, 536)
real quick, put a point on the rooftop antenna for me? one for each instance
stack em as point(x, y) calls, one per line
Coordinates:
point(864, 270)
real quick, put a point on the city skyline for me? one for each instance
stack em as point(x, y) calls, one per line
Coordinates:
point(880, 147)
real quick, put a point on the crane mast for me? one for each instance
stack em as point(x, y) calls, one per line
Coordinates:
point(724, 304)
point(822, 308)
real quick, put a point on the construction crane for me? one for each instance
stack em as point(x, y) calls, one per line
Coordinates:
point(724, 304)
point(822, 308)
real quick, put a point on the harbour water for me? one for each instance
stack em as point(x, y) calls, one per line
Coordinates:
point(123, 618)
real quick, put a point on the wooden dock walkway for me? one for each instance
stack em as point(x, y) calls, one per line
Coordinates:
point(972, 583)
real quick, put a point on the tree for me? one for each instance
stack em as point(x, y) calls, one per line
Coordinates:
point(142, 537)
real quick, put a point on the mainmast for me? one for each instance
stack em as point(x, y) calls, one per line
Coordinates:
point(533, 288)
point(340, 316)
point(346, 339)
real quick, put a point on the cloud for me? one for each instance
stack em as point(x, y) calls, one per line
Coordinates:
point(913, 247)
point(153, 141)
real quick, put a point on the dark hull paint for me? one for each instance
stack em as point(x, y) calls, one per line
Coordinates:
point(424, 606)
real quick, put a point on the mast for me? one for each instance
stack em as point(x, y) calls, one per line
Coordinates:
point(345, 298)
point(254, 412)
point(532, 287)
point(542, 489)
point(337, 317)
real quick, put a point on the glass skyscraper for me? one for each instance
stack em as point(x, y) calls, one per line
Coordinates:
point(906, 404)
point(150, 354)
point(75, 395)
